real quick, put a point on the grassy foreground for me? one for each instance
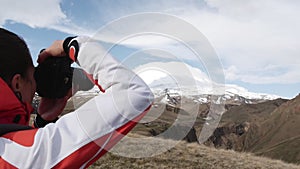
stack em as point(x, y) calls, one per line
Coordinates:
point(188, 155)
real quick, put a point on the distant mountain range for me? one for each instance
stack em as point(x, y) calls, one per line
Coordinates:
point(186, 80)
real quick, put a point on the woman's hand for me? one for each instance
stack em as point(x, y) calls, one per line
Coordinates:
point(55, 50)
point(50, 109)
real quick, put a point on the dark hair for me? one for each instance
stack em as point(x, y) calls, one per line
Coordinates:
point(15, 57)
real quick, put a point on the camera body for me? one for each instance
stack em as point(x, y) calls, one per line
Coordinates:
point(55, 77)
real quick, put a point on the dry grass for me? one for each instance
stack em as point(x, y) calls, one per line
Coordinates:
point(185, 155)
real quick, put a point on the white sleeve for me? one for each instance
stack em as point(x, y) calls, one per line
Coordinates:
point(126, 97)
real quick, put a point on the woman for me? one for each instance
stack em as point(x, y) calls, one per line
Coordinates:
point(78, 139)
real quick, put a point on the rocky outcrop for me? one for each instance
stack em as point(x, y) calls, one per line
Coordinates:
point(229, 137)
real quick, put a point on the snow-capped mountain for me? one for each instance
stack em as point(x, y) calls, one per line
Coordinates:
point(189, 81)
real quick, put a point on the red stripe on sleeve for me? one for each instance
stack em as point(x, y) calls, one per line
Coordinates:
point(82, 155)
point(101, 89)
point(5, 164)
point(23, 137)
point(72, 52)
point(90, 76)
point(85, 153)
point(118, 135)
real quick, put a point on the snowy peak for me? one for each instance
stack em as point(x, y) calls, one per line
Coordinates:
point(237, 90)
point(189, 81)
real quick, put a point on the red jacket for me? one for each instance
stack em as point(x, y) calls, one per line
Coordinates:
point(11, 109)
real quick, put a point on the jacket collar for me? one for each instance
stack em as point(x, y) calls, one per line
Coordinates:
point(10, 106)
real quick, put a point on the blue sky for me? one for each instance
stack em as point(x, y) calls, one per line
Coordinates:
point(257, 42)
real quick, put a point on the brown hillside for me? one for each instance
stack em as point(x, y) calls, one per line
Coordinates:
point(239, 125)
point(190, 156)
point(280, 134)
point(270, 129)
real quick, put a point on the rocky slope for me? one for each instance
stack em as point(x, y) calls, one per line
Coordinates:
point(270, 129)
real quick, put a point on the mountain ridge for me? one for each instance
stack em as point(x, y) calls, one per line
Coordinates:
point(190, 80)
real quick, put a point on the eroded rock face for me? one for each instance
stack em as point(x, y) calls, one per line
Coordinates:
point(231, 136)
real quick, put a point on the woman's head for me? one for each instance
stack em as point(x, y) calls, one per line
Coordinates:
point(16, 67)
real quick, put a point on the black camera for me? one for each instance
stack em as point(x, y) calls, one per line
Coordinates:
point(55, 77)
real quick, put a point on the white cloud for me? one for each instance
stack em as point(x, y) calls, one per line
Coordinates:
point(39, 14)
point(269, 75)
point(32, 12)
point(249, 36)
point(174, 74)
point(253, 34)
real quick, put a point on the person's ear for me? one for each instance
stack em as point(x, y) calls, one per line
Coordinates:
point(16, 83)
